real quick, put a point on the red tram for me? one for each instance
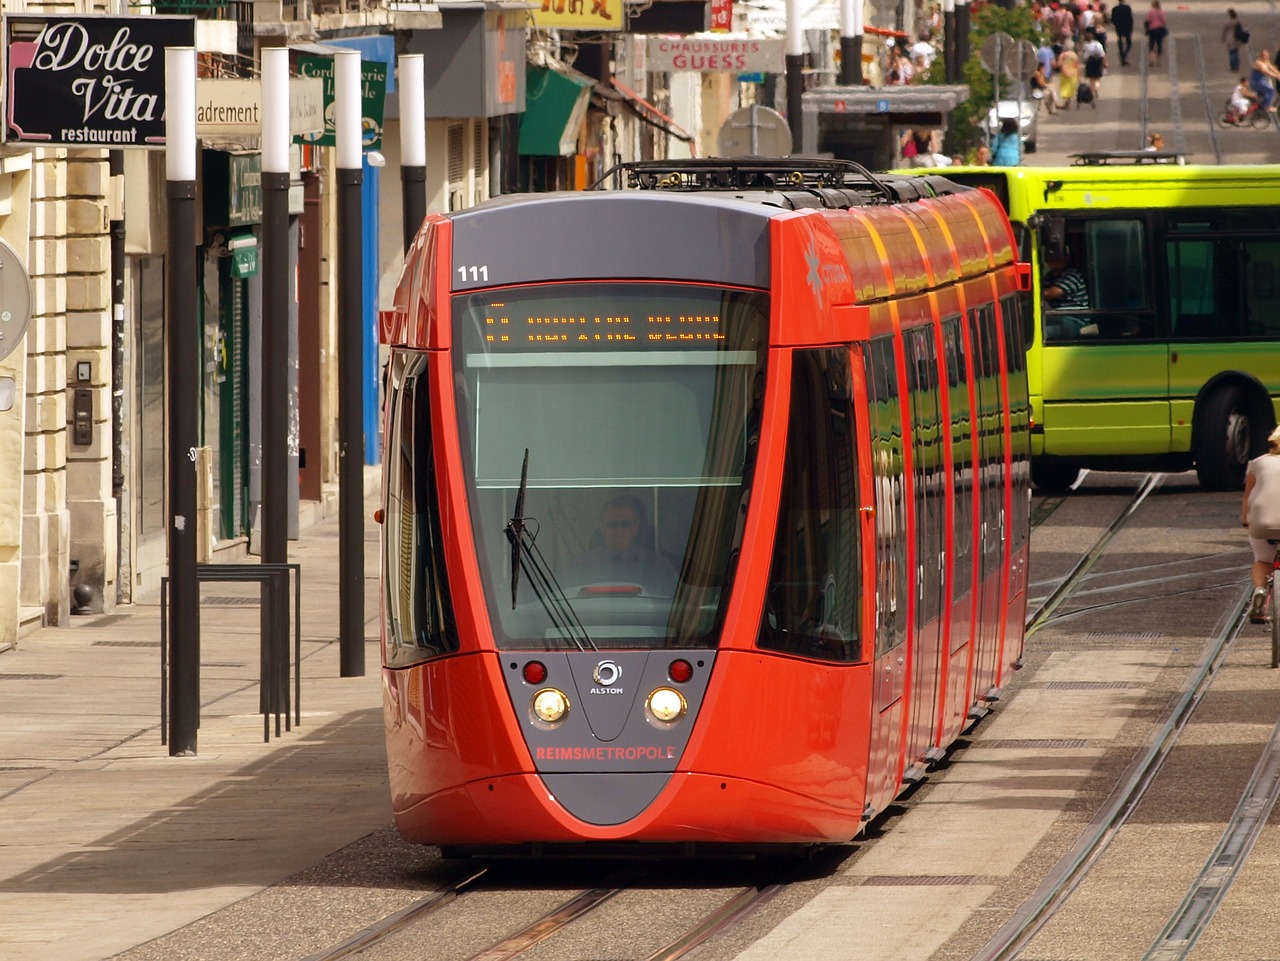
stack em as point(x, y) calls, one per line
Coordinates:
point(705, 517)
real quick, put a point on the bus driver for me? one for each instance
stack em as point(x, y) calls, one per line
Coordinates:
point(1064, 288)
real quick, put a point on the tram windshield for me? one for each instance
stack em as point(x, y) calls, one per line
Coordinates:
point(609, 435)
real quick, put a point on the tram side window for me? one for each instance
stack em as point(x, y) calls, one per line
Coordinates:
point(928, 467)
point(1113, 302)
point(962, 457)
point(815, 580)
point(990, 432)
point(1223, 288)
point(1019, 413)
point(890, 495)
point(418, 611)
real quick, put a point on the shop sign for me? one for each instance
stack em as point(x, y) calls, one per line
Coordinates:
point(573, 15)
point(373, 84)
point(233, 108)
point(244, 195)
point(721, 16)
point(709, 54)
point(79, 81)
point(244, 261)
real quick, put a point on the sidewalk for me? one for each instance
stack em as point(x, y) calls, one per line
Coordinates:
point(107, 842)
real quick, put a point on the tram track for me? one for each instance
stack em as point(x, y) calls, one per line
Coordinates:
point(1039, 617)
point(578, 905)
point(1071, 870)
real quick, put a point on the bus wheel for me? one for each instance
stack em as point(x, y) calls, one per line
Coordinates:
point(1053, 477)
point(1223, 441)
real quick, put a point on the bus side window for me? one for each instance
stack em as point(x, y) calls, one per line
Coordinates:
point(1116, 259)
point(1261, 289)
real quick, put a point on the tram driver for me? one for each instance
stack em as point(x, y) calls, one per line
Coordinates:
point(621, 556)
point(1063, 289)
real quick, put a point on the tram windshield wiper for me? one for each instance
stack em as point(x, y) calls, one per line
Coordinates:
point(526, 556)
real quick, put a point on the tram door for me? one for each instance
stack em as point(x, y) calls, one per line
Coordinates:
point(991, 521)
point(886, 424)
point(929, 470)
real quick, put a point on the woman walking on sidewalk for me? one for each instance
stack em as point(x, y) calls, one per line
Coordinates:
point(1235, 36)
point(1095, 65)
point(1157, 27)
point(1067, 67)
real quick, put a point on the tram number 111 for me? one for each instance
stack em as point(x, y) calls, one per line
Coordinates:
point(474, 273)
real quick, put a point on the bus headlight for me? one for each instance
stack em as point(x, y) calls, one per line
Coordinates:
point(666, 704)
point(550, 705)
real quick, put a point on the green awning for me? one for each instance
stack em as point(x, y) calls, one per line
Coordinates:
point(555, 105)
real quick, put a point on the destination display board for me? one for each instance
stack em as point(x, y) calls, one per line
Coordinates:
point(589, 318)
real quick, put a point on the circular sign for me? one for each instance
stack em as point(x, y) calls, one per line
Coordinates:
point(755, 131)
point(1020, 61)
point(994, 49)
point(15, 300)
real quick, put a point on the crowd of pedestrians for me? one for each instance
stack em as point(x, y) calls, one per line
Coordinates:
point(1078, 41)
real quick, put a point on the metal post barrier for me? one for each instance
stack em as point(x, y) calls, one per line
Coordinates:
point(274, 698)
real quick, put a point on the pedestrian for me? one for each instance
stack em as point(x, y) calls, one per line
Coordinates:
point(982, 156)
point(1043, 90)
point(1122, 21)
point(1260, 513)
point(1235, 36)
point(1068, 72)
point(1007, 145)
point(1157, 28)
point(1261, 79)
point(1045, 56)
point(919, 146)
point(1095, 65)
point(1064, 25)
point(1155, 141)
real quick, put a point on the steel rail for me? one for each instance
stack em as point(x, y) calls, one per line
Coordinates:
point(546, 925)
point(728, 914)
point(1068, 584)
point(379, 930)
point(1207, 891)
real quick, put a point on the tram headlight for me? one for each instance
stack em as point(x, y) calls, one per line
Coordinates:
point(550, 705)
point(666, 704)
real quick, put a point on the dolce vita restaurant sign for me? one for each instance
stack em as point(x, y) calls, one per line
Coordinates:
point(77, 81)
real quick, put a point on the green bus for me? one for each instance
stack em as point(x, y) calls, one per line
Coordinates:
point(1174, 363)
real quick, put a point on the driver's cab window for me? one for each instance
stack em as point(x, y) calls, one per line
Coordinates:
point(1094, 283)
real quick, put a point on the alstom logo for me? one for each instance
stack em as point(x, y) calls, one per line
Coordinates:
point(607, 674)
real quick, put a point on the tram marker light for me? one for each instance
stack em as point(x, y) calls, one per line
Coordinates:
point(535, 672)
point(680, 671)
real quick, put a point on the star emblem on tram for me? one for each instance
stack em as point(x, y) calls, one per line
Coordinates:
point(814, 280)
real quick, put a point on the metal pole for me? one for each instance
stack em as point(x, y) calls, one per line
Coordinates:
point(115, 166)
point(962, 37)
point(851, 33)
point(184, 378)
point(350, 180)
point(794, 46)
point(413, 143)
point(949, 66)
point(275, 305)
point(276, 291)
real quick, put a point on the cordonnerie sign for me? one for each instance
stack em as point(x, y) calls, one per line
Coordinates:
point(78, 81)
